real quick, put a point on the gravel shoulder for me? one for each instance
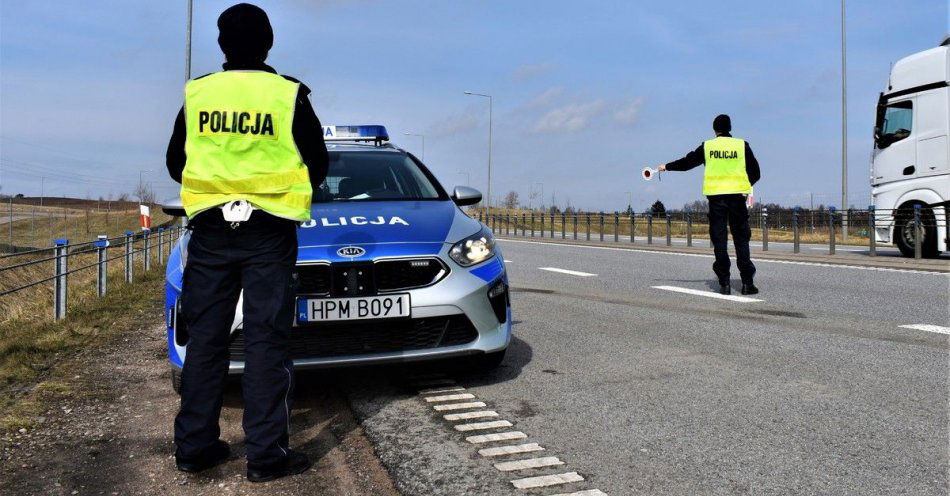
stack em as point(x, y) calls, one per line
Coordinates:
point(107, 429)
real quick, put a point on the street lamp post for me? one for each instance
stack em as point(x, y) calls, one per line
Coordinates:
point(423, 157)
point(490, 104)
point(188, 43)
point(844, 128)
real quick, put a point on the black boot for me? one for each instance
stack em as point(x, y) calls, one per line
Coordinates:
point(725, 289)
point(217, 454)
point(749, 289)
point(294, 463)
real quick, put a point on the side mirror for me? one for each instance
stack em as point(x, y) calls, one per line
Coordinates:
point(463, 195)
point(173, 208)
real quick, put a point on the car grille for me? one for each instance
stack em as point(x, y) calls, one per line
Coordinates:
point(367, 278)
point(405, 274)
point(359, 338)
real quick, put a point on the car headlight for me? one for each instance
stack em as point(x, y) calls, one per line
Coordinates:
point(474, 249)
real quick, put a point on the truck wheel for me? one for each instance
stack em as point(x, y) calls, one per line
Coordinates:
point(176, 380)
point(904, 232)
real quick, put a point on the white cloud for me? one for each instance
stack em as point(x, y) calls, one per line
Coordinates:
point(530, 71)
point(546, 98)
point(570, 117)
point(628, 113)
point(470, 118)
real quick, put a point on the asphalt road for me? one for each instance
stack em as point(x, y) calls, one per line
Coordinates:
point(814, 389)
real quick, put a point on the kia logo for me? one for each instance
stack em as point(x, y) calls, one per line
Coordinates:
point(351, 252)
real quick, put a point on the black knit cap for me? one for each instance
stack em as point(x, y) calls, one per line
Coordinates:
point(722, 123)
point(245, 34)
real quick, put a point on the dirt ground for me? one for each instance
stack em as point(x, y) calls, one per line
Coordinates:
point(109, 431)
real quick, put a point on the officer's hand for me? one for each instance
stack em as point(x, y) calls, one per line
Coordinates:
point(661, 167)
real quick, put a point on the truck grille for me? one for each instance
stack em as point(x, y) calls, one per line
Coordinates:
point(358, 338)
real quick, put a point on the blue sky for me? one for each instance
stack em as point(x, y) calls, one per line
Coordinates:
point(586, 93)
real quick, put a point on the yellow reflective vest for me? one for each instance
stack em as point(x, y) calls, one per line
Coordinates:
point(239, 145)
point(725, 167)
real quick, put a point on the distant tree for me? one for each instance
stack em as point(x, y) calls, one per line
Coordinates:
point(629, 210)
point(657, 209)
point(145, 193)
point(697, 206)
point(554, 210)
point(19, 195)
point(123, 197)
point(511, 200)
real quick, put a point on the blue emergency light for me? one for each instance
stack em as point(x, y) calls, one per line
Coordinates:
point(374, 132)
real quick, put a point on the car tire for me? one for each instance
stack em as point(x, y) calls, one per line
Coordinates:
point(176, 380)
point(904, 228)
point(487, 362)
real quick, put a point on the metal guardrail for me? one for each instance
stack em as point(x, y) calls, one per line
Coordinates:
point(63, 251)
point(790, 225)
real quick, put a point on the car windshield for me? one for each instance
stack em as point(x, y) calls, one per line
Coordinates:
point(376, 176)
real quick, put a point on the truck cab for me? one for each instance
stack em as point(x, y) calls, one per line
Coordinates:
point(910, 166)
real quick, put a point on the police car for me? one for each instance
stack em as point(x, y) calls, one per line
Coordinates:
point(389, 268)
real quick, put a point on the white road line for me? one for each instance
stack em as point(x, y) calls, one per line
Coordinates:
point(569, 272)
point(459, 406)
point(589, 492)
point(701, 255)
point(479, 426)
point(442, 390)
point(450, 397)
point(546, 480)
point(928, 328)
point(508, 261)
point(500, 436)
point(510, 450)
point(547, 461)
point(708, 294)
point(452, 417)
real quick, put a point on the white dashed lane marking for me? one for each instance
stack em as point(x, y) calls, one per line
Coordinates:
point(501, 436)
point(708, 294)
point(450, 397)
point(589, 492)
point(480, 426)
point(547, 480)
point(928, 328)
point(569, 272)
point(459, 406)
point(548, 461)
point(442, 390)
point(452, 417)
point(510, 450)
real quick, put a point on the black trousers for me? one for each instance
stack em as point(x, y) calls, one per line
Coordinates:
point(258, 257)
point(730, 209)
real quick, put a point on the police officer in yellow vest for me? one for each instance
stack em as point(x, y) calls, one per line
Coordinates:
point(731, 170)
point(248, 151)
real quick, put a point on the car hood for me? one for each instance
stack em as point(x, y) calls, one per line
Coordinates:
point(380, 229)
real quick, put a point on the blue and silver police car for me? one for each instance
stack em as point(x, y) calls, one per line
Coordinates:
point(389, 268)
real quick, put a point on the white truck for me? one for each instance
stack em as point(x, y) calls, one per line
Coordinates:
point(910, 164)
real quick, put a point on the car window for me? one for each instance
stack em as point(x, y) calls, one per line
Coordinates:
point(376, 176)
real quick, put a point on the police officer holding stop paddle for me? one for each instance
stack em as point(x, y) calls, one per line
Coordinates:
point(731, 170)
point(248, 151)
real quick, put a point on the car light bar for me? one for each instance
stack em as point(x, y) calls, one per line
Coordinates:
point(355, 133)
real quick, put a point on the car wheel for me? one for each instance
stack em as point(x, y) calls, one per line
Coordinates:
point(176, 380)
point(904, 232)
point(487, 362)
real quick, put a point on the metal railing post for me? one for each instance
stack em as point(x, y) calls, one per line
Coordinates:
point(601, 226)
point(542, 225)
point(563, 225)
point(129, 256)
point(575, 226)
point(552, 226)
point(765, 229)
point(588, 226)
point(918, 233)
point(633, 226)
point(616, 227)
point(669, 229)
point(872, 238)
point(102, 268)
point(649, 228)
point(689, 228)
point(524, 225)
point(795, 236)
point(831, 231)
point(61, 282)
point(147, 243)
point(532, 225)
point(161, 246)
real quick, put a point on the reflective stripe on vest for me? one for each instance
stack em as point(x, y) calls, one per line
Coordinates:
point(725, 167)
point(239, 145)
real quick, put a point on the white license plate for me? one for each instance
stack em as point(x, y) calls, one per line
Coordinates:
point(361, 308)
